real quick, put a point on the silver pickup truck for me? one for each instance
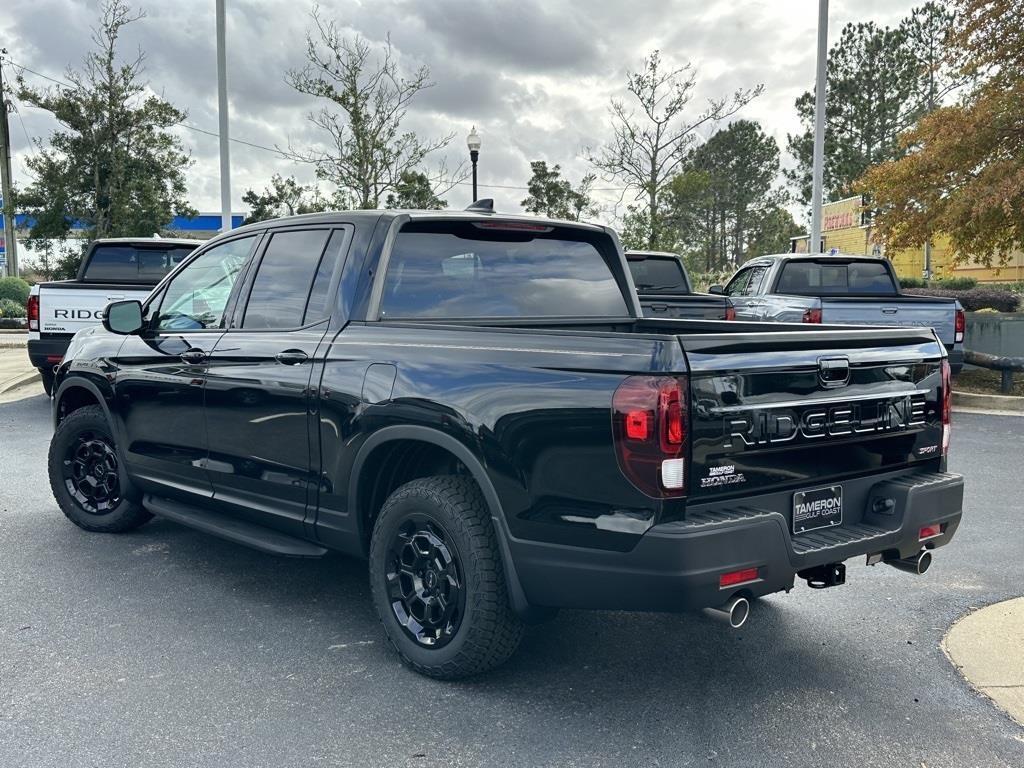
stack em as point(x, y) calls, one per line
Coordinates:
point(839, 290)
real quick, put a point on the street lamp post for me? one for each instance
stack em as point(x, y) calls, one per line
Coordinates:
point(818, 167)
point(473, 142)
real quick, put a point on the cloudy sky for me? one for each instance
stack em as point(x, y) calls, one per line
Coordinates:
point(535, 76)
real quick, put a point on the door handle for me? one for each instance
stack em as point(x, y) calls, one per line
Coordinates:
point(291, 357)
point(659, 307)
point(194, 356)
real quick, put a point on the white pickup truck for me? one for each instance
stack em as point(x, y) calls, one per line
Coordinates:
point(112, 269)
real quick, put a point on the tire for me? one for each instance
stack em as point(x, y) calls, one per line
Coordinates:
point(47, 375)
point(86, 477)
point(442, 524)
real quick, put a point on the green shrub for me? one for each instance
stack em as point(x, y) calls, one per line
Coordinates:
point(956, 283)
point(11, 308)
point(15, 289)
point(976, 299)
point(912, 282)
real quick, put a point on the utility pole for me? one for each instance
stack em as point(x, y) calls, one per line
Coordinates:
point(222, 99)
point(10, 244)
point(818, 171)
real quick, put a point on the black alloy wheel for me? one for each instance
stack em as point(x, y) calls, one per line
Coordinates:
point(425, 582)
point(91, 474)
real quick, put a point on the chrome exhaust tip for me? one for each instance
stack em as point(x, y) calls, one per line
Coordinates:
point(734, 613)
point(917, 564)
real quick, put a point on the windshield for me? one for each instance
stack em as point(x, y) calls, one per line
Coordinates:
point(461, 270)
point(831, 278)
point(659, 273)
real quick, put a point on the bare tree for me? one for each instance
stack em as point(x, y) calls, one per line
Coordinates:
point(368, 98)
point(648, 148)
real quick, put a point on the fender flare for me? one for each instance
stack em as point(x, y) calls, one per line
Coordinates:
point(80, 382)
point(517, 597)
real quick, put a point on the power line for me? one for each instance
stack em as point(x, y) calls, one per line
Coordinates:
point(276, 151)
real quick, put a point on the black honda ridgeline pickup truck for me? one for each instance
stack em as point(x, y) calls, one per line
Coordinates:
point(475, 403)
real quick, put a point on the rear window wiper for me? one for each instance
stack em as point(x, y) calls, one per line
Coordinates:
point(648, 287)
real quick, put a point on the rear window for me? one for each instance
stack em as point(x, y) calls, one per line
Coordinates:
point(821, 278)
point(658, 274)
point(462, 270)
point(133, 264)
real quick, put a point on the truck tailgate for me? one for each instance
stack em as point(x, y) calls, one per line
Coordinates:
point(689, 307)
point(897, 311)
point(67, 307)
point(802, 411)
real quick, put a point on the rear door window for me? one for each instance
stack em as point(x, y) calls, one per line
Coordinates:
point(470, 270)
point(283, 284)
point(831, 278)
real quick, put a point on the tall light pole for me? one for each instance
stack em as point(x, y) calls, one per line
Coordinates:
point(10, 244)
point(222, 104)
point(473, 142)
point(817, 173)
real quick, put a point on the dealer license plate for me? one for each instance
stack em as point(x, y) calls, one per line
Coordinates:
point(818, 508)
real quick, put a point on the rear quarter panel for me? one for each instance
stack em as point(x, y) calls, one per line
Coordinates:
point(534, 407)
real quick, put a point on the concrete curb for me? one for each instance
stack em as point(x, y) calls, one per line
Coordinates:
point(1002, 403)
point(985, 647)
point(19, 381)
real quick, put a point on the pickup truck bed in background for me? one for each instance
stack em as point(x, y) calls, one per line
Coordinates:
point(665, 291)
point(112, 269)
point(840, 290)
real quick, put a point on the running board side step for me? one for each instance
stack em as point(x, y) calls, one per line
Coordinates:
point(240, 532)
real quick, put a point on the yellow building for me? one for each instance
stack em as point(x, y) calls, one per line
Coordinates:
point(846, 228)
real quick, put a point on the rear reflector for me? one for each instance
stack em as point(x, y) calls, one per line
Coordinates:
point(930, 532)
point(733, 578)
point(53, 359)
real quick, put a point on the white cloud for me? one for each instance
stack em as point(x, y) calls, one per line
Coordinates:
point(533, 75)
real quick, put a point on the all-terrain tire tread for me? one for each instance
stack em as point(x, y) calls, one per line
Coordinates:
point(129, 514)
point(496, 631)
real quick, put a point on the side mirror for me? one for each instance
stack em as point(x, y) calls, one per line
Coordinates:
point(717, 290)
point(123, 317)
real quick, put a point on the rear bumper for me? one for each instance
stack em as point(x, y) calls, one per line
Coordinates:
point(676, 566)
point(44, 353)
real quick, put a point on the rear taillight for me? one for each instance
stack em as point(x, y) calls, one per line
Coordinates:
point(730, 312)
point(32, 310)
point(947, 405)
point(812, 315)
point(960, 327)
point(649, 428)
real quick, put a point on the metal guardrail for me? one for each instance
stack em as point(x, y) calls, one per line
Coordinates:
point(1005, 365)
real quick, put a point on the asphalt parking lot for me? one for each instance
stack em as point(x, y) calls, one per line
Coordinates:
point(166, 647)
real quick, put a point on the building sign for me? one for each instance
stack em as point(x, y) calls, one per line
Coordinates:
point(841, 214)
